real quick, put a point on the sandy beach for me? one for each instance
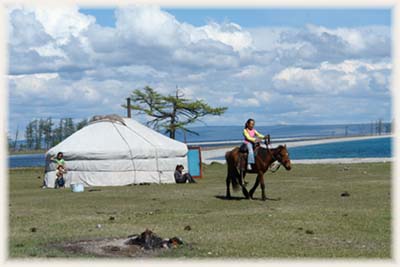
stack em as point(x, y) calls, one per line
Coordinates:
point(208, 155)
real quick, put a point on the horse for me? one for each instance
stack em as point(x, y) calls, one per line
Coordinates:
point(237, 159)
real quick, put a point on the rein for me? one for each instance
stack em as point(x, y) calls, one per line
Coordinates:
point(274, 158)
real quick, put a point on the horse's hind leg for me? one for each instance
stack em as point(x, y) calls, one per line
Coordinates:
point(263, 197)
point(244, 190)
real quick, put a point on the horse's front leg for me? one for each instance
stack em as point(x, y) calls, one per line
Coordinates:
point(245, 192)
point(263, 197)
point(253, 189)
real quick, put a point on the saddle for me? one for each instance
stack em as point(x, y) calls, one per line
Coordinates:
point(243, 149)
point(243, 153)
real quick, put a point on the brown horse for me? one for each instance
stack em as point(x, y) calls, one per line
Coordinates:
point(237, 162)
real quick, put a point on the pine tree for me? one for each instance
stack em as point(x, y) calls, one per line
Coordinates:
point(171, 112)
point(69, 127)
point(9, 141)
point(81, 124)
point(39, 133)
point(58, 133)
point(29, 135)
point(14, 144)
point(47, 132)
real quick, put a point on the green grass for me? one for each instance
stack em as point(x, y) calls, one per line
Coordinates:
point(358, 226)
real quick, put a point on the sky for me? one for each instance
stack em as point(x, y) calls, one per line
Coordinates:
point(278, 66)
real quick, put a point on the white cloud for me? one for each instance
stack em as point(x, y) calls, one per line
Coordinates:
point(63, 22)
point(60, 57)
point(237, 101)
point(249, 72)
point(364, 78)
point(30, 87)
point(349, 66)
point(353, 37)
point(148, 25)
point(263, 96)
point(228, 33)
point(49, 50)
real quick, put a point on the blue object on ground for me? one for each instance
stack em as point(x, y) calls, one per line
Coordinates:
point(194, 161)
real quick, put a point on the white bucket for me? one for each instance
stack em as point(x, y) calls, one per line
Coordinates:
point(77, 187)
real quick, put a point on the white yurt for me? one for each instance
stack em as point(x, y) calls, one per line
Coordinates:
point(116, 151)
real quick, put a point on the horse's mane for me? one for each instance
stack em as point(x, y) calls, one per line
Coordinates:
point(275, 148)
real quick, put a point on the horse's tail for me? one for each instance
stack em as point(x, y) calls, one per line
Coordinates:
point(232, 171)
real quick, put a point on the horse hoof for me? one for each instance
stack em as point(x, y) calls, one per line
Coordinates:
point(264, 199)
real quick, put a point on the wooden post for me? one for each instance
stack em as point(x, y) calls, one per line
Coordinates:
point(128, 105)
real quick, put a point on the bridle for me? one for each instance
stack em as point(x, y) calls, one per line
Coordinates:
point(273, 156)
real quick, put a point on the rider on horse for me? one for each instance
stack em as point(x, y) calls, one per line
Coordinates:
point(250, 139)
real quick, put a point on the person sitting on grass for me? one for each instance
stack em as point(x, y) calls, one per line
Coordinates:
point(181, 178)
point(59, 160)
point(60, 182)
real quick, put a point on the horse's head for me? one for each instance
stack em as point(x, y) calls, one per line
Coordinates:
point(282, 155)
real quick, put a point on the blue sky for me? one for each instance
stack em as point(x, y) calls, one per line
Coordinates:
point(279, 66)
point(266, 17)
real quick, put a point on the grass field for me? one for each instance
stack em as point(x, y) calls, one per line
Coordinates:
point(312, 219)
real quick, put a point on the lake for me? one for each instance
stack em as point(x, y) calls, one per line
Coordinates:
point(28, 160)
point(381, 147)
point(373, 148)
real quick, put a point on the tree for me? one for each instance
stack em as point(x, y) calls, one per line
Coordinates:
point(47, 132)
point(9, 141)
point(58, 133)
point(39, 133)
point(388, 127)
point(14, 144)
point(379, 127)
point(29, 135)
point(69, 127)
point(81, 124)
point(171, 112)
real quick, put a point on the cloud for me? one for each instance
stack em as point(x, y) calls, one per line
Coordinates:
point(341, 43)
point(62, 63)
point(48, 40)
point(249, 71)
point(148, 25)
point(350, 77)
point(230, 34)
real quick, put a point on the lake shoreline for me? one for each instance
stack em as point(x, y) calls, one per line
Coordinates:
point(210, 154)
point(323, 161)
point(216, 154)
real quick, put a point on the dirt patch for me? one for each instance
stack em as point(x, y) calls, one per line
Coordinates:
point(147, 244)
point(110, 247)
